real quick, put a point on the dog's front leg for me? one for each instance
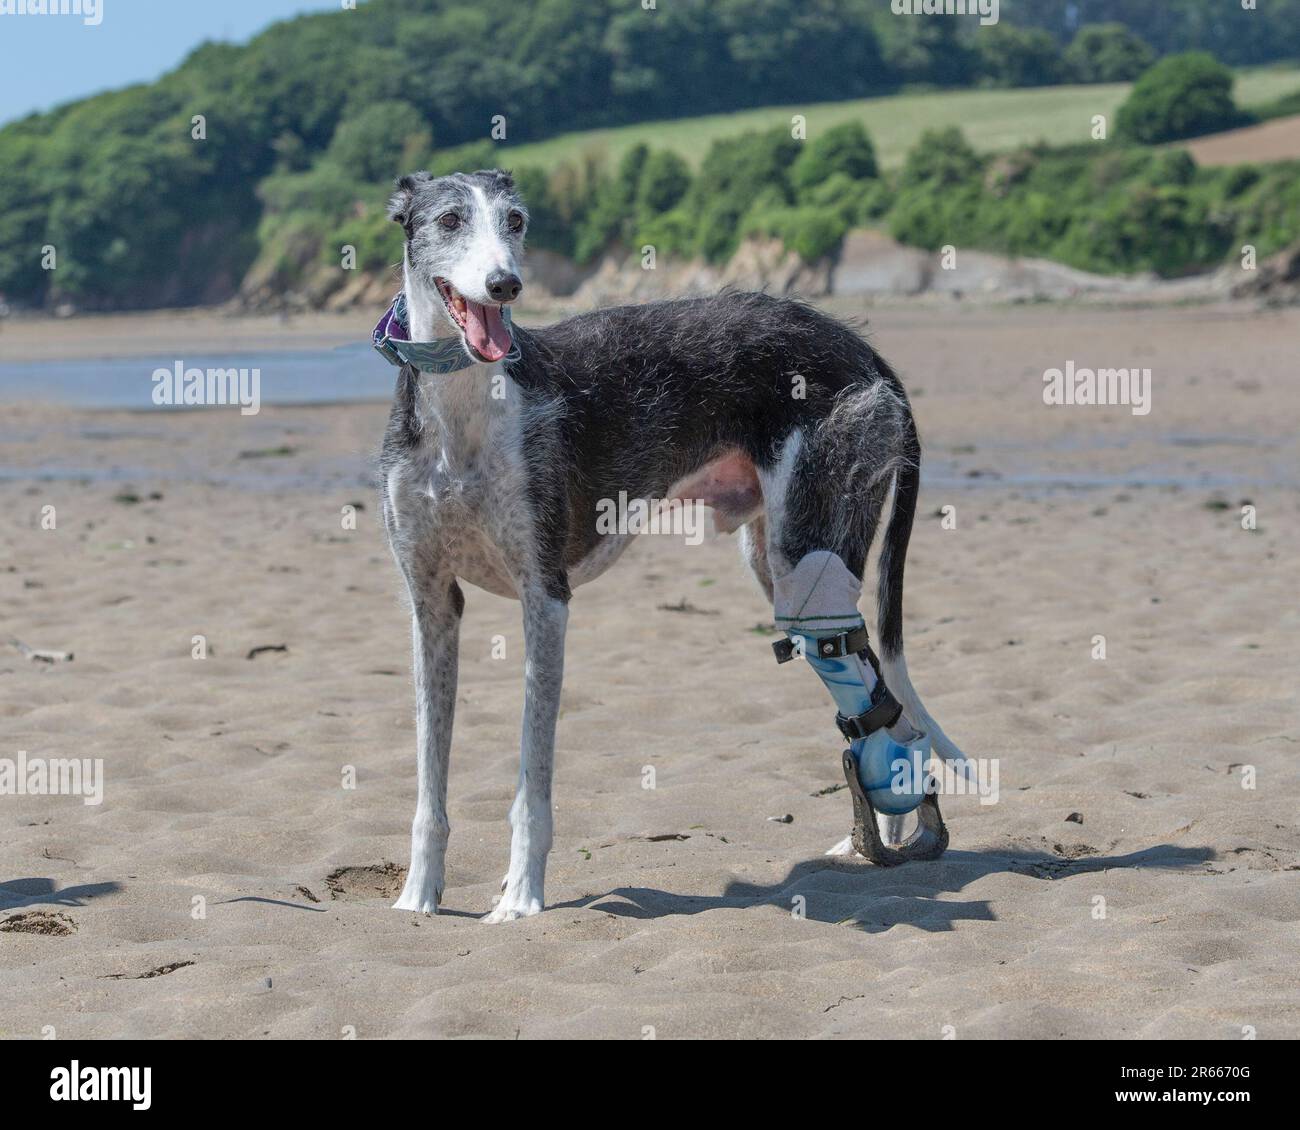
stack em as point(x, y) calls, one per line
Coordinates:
point(435, 632)
point(545, 618)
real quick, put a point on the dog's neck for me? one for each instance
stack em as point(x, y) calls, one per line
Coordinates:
point(455, 408)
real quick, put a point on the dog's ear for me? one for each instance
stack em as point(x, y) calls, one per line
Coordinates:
point(402, 200)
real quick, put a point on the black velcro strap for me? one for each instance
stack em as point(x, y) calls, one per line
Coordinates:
point(884, 712)
point(831, 647)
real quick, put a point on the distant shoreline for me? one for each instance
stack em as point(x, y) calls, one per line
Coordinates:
point(214, 330)
point(33, 337)
point(869, 270)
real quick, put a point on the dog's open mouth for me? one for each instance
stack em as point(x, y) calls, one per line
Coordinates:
point(484, 328)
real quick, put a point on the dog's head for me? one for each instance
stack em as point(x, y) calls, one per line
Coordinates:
point(464, 237)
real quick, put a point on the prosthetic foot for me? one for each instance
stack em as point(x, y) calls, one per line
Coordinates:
point(886, 762)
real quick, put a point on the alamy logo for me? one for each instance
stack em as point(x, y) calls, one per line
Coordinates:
point(90, 11)
point(976, 776)
point(194, 387)
point(679, 516)
point(987, 10)
point(57, 776)
point(1073, 385)
point(102, 1084)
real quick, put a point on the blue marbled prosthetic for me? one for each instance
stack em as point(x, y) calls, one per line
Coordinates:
point(892, 774)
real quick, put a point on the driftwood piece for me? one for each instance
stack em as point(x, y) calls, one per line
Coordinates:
point(41, 655)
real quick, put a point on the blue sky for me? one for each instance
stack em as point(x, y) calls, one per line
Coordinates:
point(46, 60)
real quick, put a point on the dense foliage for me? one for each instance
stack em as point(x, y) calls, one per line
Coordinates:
point(1237, 34)
point(1109, 209)
point(301, 128)
point(1120, 209)
point(1106, 53)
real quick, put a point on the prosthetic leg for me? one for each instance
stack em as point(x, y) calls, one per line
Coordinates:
point(885, 764)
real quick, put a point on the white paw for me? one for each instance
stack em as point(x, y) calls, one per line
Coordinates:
point(844, 847)
point(508, 909)
point(422, 902)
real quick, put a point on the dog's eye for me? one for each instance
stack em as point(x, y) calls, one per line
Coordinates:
point(515, 221)
point(449, 220)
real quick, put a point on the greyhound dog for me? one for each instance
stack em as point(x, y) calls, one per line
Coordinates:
point(503, 441)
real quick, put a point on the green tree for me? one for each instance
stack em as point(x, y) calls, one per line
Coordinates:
point(548, 227)
point(612, 214)
point(1163, 229)
point(1237, 33)
point(1014, 56)
point(1106, 53)
point(370, 145)
point(1181, 96)
point(734, 172)
point(827, 49)
point(844, 148)
point(941, 158)
point(929, 51)
point(664, 180)
point(940, 191)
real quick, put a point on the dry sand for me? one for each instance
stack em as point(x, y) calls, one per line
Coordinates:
point(674, 908)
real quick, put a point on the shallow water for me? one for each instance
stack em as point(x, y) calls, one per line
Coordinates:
point(1177, 459)
point(325, 376)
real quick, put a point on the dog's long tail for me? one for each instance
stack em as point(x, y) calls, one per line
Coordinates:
point(889, 600)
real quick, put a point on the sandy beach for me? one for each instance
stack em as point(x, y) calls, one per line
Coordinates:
point(1138, 876)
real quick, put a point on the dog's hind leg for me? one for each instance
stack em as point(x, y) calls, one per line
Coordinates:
point(436, 607)
point(825, 497)
point(889, 603)
point(545, 619)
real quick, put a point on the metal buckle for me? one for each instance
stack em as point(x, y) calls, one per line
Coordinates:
point(386, 350)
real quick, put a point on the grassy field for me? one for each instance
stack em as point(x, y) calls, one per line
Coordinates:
point(991, 119)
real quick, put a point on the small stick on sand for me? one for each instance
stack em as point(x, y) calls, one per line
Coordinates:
point(38, 655)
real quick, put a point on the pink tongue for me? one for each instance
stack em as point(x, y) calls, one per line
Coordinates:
point(486, 331)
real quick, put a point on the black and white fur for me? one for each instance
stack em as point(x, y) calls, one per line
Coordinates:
point(502, 491)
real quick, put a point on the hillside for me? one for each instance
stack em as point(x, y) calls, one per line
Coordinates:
point(992, 120)
point(252, 164)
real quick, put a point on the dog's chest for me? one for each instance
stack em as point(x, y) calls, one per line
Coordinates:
point(463, 498)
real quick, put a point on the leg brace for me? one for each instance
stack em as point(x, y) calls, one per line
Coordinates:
point(817, 607)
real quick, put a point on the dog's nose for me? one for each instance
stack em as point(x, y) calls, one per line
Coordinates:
point(502, 286)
